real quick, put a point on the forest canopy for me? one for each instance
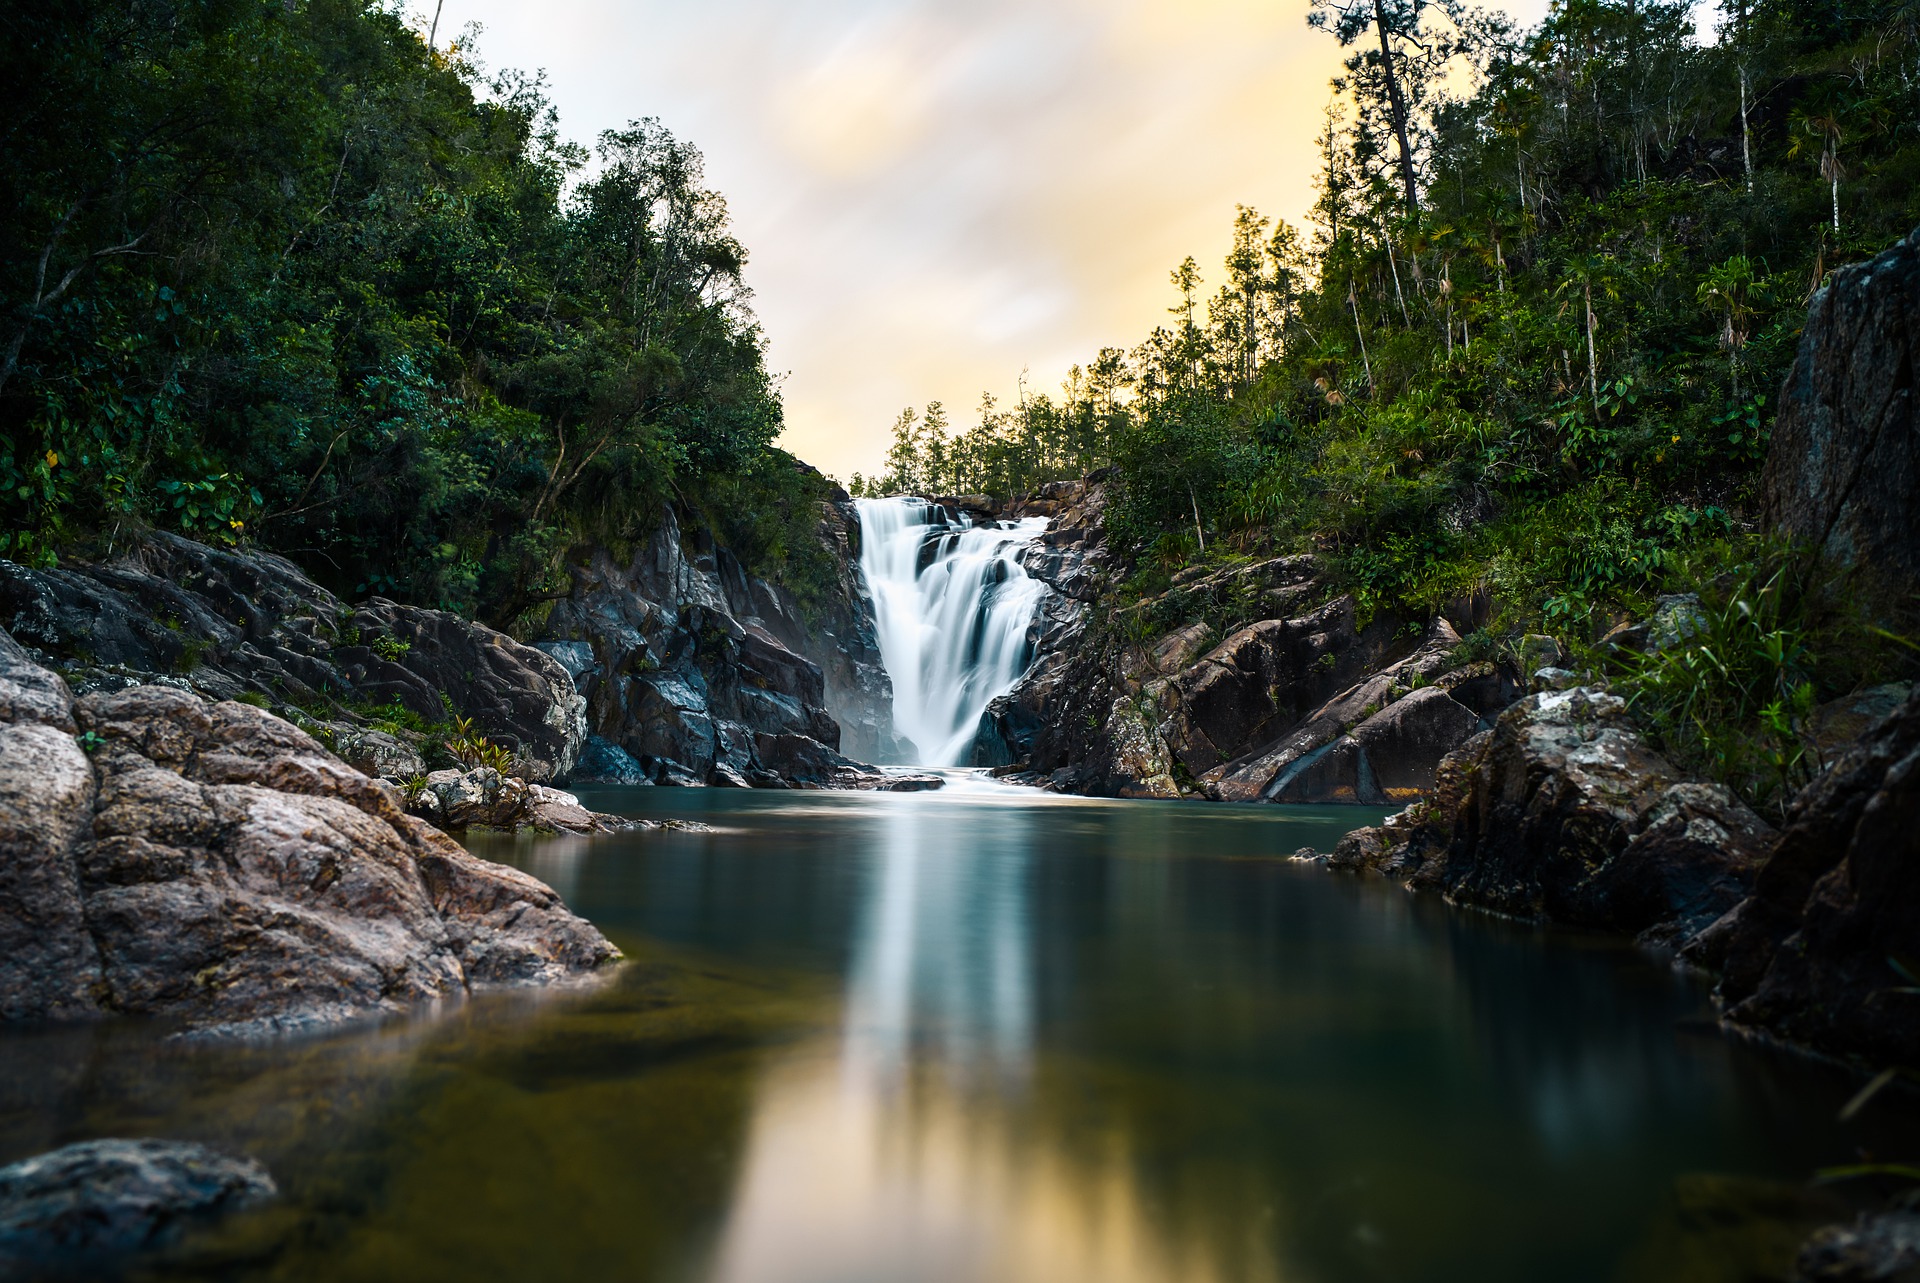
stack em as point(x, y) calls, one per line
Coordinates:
point(1525, 354)
point(281, 271)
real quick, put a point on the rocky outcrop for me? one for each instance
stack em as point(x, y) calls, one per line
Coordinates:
point(1843, 470)
point(80, 1208)
point(167, 855)
point(1564, 813)
point(248, 625)
point(1826, 951)
point(1876, 1247)
point(1302, 704)
point(686, 662)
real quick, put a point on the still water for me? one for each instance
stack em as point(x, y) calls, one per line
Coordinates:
point(990, 1036)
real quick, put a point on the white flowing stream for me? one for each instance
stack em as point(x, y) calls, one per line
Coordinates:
point(953, 603)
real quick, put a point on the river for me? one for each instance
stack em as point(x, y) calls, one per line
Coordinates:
point(992, 1036)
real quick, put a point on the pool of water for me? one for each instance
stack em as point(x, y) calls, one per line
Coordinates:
point(991, 1036)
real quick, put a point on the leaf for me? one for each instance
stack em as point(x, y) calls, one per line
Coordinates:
point(1866, 1094)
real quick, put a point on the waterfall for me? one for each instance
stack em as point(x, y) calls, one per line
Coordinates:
point(953, 604)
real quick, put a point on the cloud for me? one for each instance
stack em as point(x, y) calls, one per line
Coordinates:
point(937, 196)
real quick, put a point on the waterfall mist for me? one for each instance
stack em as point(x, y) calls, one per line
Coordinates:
point(953, 604)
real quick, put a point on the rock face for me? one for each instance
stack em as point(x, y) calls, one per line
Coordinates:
point(1300, 705)
point(1879, 1247)
point(162, 854)
point(1843, 471)
point(1563, 813)
point(80, 1206)
point(1826, 951)
point(687, 663)
point(231, 624)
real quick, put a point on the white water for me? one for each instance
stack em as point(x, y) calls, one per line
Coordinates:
point(953, 635)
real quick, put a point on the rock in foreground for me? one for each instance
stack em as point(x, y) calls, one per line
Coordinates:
point(163, 855)
point(1564, 813)
point(86, 1203)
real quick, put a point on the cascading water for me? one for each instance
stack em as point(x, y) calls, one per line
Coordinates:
point(953, 604)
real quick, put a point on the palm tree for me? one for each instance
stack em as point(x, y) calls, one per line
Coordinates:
point(1824, 126)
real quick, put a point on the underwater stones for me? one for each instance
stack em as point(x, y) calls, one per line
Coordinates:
point(79, 1207)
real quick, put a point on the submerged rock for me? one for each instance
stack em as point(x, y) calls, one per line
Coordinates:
point(212, 863)
point(84, 1205)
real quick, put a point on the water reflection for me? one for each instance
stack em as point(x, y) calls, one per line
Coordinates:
point(989, 1037)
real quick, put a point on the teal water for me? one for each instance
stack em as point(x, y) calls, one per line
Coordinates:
point(991, 1036)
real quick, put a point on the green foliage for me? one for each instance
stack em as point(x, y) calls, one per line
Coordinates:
point(282, 272)
point(473, 750)
point(391, 648)
point(1731, 692)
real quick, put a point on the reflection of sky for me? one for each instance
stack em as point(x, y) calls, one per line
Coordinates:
point(942, 963)
point(936, 196)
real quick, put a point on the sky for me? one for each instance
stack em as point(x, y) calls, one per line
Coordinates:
point(939, 198)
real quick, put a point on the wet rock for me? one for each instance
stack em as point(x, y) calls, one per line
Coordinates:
point(604, 762)
point(212, 863)
point(807, 763)
point(1824, 951)
point(1843, 469)
point(79, 1208)
point(1879, 1247)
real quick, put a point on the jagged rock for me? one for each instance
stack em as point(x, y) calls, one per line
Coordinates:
point(456, 799)
point(1878, 1247)
point(604, 762)
point(1843, 470)
point(77, 1208)
point(1816, 953)
point(683, 659)
point(1564, 813)
point(228, 624)
point(1378, 740)
point(213, 863)
point(376, 753)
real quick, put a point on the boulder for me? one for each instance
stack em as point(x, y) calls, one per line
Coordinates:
point(1843, 469)
point(211, 863)
point(1563, 813)
point(457, 799)
point(79, 1208)
point(1826, 950)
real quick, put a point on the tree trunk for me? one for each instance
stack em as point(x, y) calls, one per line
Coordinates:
point(1397, 103)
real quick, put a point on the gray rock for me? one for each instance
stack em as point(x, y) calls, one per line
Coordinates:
point(1879, 1247)
point(223, 623)
point(1554, 679)
point(604, 762)
point(377, 753)
point(86, 1204)
point(214, 864)
point(1843, 468)
point(463, 799)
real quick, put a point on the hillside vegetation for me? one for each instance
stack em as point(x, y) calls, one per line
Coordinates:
point(283, 272)
point(1528, 346)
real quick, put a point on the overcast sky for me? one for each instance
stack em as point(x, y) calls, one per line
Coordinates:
point(935, 196)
